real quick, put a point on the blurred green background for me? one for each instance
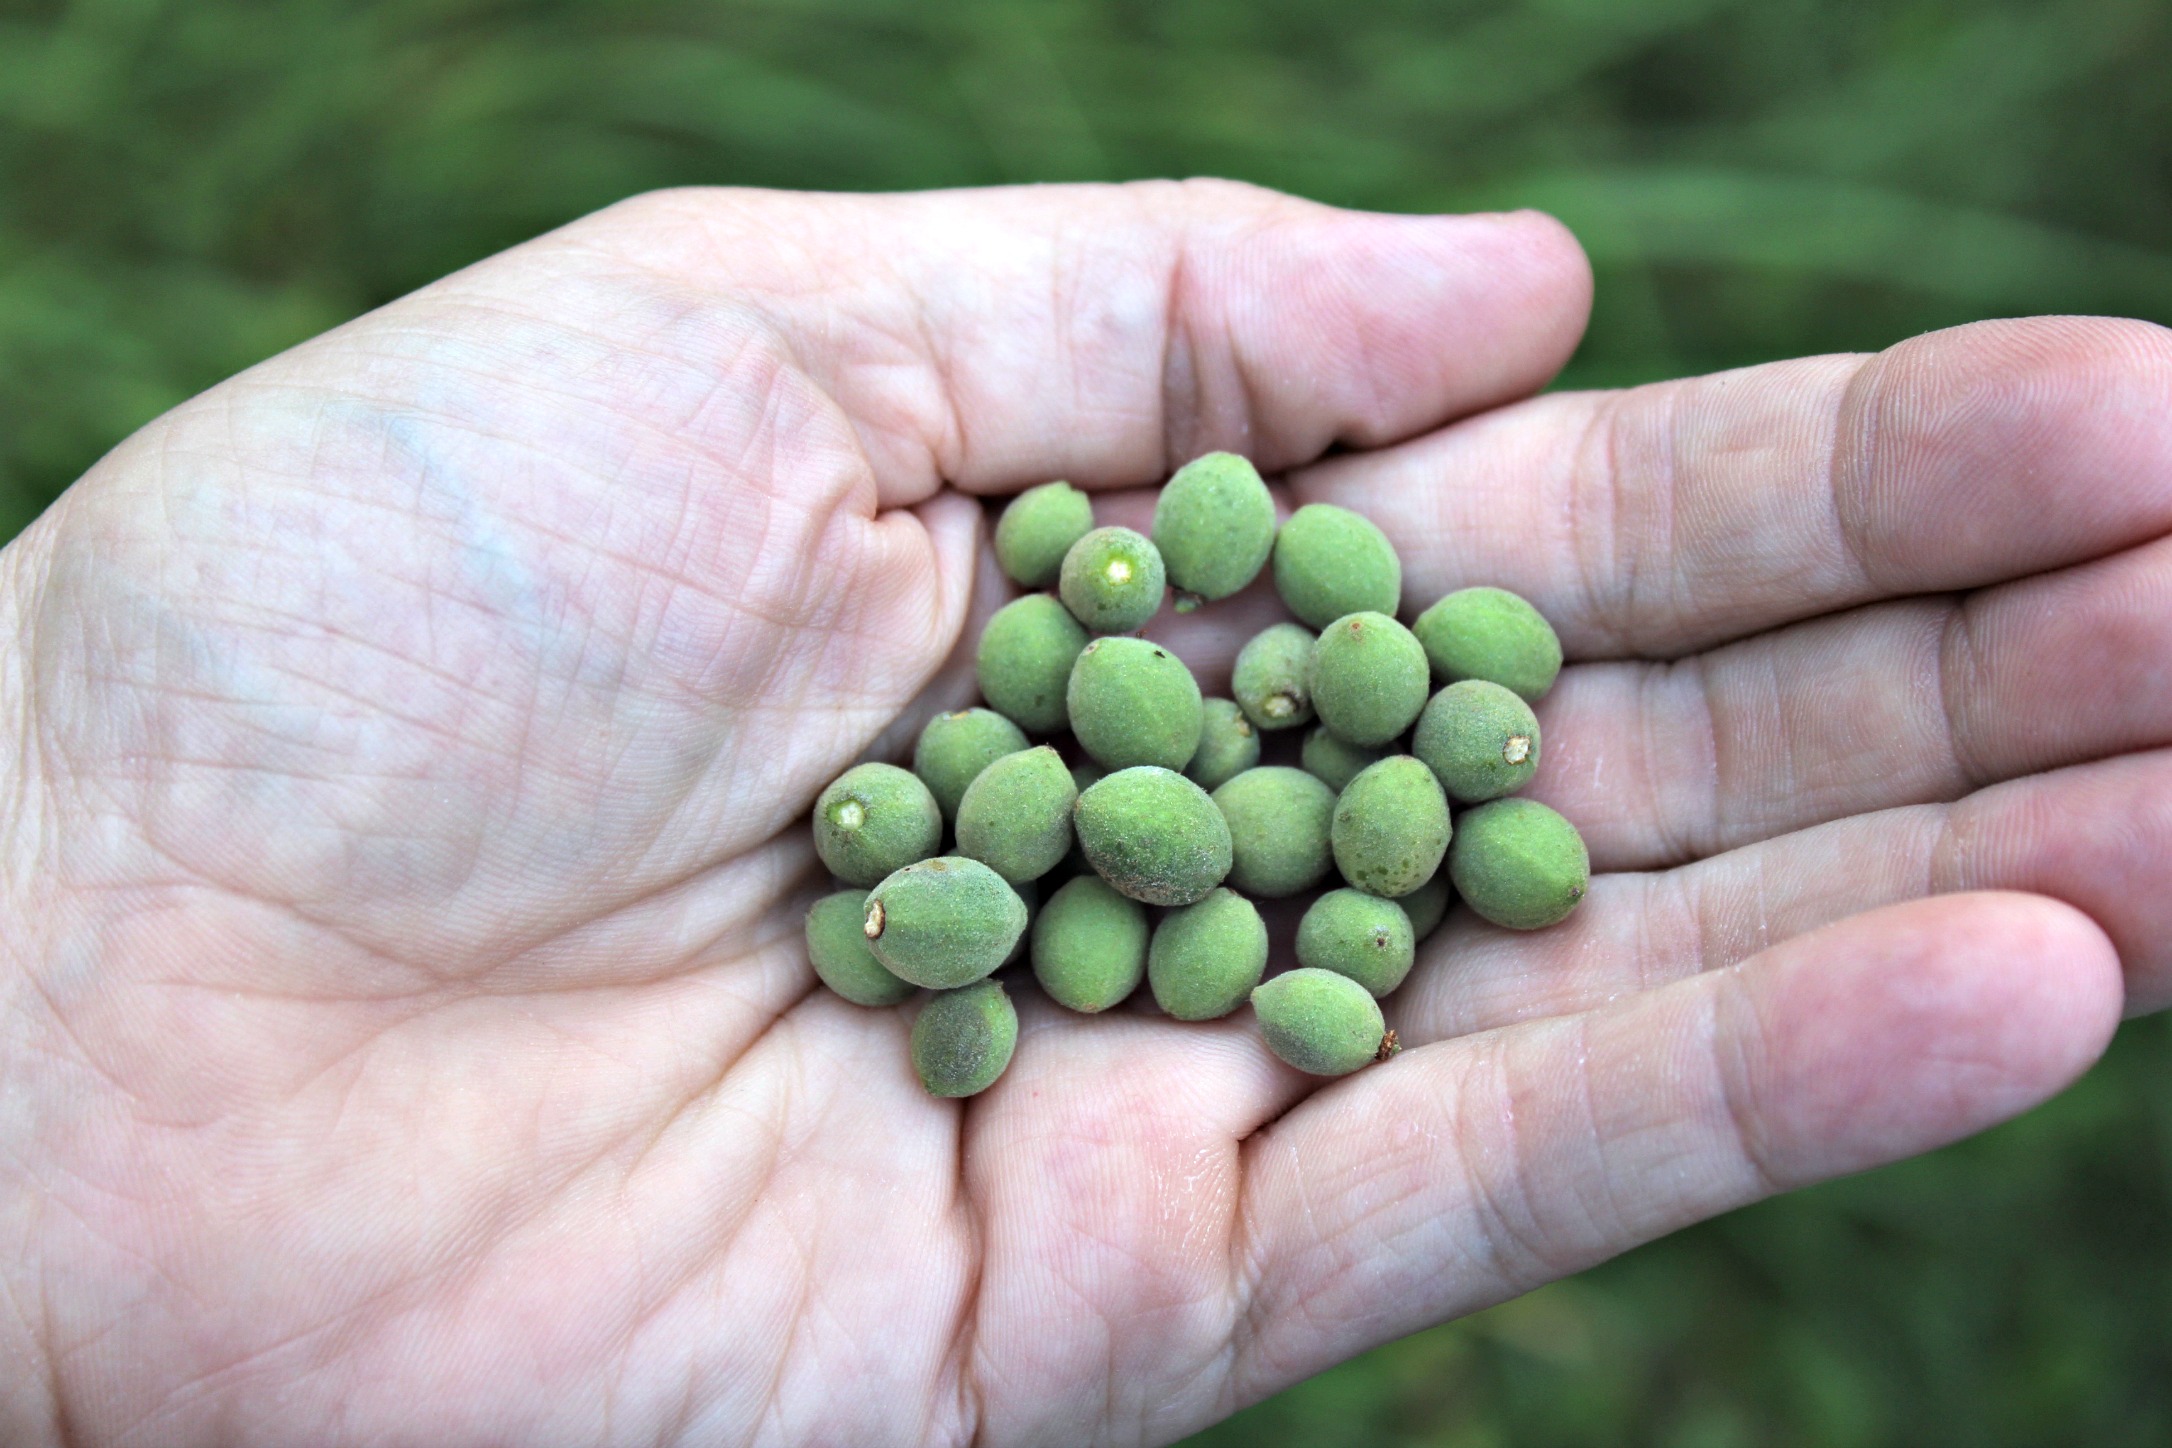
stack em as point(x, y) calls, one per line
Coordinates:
point(189, 185)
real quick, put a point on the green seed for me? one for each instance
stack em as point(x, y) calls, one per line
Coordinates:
point(1026, 653)
point(943, 923)
point(1133, 702)
point(1089, 946)
point(1228, 746)
point(875, 818)
point(1272, 677)
point(964, 1039)
point(1427, 904)
point(1016, 817)
point(1480, 740)
point(1037, 528)
point(1330, 562)
point(1519, 864)
point(955, 748)
point(837, 948)
point(1279, 821)
point(1154, 835)
point(1112, 580)
point(1491, 634)
point(1029, 891)
point(1215, 526)
point(1369, 678)
point(1391, 827)
point(1359, 935)
point(1206, 958)
point(1085, 773)
point(1322, 1023)
point(1337, 761)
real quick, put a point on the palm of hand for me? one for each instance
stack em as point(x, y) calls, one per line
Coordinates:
point(419, 731)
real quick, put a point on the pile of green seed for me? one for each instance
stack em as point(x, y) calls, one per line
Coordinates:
point(1163, 826)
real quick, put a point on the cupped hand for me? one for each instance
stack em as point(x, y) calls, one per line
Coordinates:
point(406, 1034)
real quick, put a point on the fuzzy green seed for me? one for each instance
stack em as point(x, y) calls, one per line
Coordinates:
point(1480, 740)
point(1215, 526)
point(1427, 904)
point(1037, 528)
point(1089, 946)
point(964, 1039)
point(1112, 580)
point(1026, 653)
point(1391, 827)
point(1336, 761)
point(1491, 634)
point(1206, 958)
point(1279, 821)
point(1029, 891)
point(1131, 702)
point(1519, 864)
point(943, 923)
point(837, 948)
point(875, 818)
point(1228, 746)
point(1154, 835)
point(1330, 562)
point(1272, 677)
point(1359, 935)
point(1016, 817)
point(954, 748)
point(1369, 678)
point(1322, 1023)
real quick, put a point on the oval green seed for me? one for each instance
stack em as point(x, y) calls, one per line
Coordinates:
point(1037, 528)
point(1427, 904)
point(1026, 653)
point(1391, 827)
point(873, 819)
point(1491, 634)
point(1112, 580)
point(1330, 562)
point(1228, 746)
point(964, 1039)
point(1279, 822)
point(1131, 702)
point(1518, 863)
point(954, 748)
point(837, 948)
point(1336, 761)
point(1359, 935)
point(1480, 740)
point(1215, 525)
point(943, 923)
point(1089, 946)
point(1154, 835)
point(1206, 958)
point(1016, 817)
point(1322, 1023)
point(1369, 678)
point(1272, 677)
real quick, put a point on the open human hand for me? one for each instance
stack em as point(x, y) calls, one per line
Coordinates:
point(405, 1031)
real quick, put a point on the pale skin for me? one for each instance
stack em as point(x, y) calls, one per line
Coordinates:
point(405, 1033)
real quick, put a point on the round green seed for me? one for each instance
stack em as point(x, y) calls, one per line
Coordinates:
point(1272, 677)
point(837, 948)
point(875, 818)
point(1330, 562)
point(1016, 817)
point(1336, 761)
point(1131, 702)
point(944, 922)
point(1427, 904)
point(956, 747)
point(1228, 746)
point(1279, 822)
point(1089, 946)
point(1358, 935)
point(1391, 827)
point(1026, 653)
point(964, 1039)
point(1480, 740)
point(1037, 528)
point(1215, 525)
point(1369, 678)
point(1322, 1023)
point(1154, 835)
point(1491, 634)
point(1518, 863)
point(1206, 958)
point(1112, 580)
